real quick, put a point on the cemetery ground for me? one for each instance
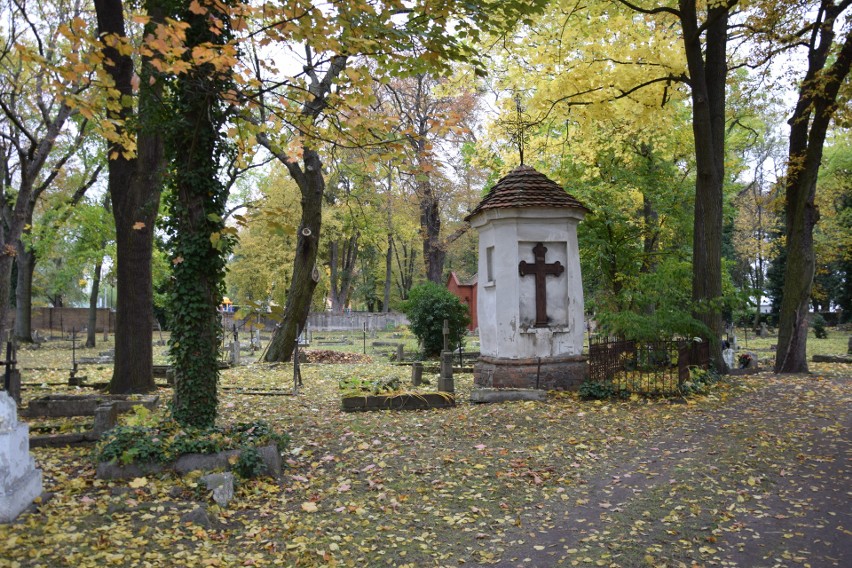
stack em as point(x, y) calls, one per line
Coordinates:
point(754, 473)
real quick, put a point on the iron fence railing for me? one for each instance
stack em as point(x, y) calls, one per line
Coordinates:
point(647, 367)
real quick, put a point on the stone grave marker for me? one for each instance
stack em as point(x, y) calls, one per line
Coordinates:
point(416, 373)
point(235, 353)
point(20, 480)
point(728, 356)
point(12, 376)
point(445, 381)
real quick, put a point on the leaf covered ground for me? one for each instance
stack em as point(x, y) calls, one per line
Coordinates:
point(757, 473)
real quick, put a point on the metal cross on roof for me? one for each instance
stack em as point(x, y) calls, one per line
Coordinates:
point(516, 127)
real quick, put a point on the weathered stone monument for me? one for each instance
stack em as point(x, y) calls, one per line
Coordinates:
point(20, 481)
point(530, 293)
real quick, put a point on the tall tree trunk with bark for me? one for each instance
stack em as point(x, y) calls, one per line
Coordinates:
point(134, 185)
point(91, 331)
point(305, 274)
point(96, 286)
point(430, 228)
point(707, 76)
point(26, 260)
point(808, 128)
point(388, 275)
point(342, 271)
point(311, 182)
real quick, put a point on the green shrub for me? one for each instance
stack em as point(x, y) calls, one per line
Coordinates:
point(427, 307)
point(818, 323)
point(700, 381)
point(249, 464)
point(167, 440)
point(601, 390)
point(356, 386)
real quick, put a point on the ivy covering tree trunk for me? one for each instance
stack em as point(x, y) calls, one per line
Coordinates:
point(198, 243)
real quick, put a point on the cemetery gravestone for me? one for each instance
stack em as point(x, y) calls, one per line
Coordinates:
point(529, 287)
point(235, 353)
point(728, 356)
point(445, 380)
point(20, 481)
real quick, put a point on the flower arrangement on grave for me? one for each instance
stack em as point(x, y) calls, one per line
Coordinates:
point(744, 359)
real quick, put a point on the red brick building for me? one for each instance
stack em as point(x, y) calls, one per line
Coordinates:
point(466, 292)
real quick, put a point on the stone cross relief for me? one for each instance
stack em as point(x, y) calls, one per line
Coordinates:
point(540, 269)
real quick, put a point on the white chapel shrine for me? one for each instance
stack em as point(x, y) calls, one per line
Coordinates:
point(530, 292)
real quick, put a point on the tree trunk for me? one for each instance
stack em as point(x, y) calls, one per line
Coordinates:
point(135, 201)
point(388, 274)
point(91, 330)
point(195, 148)
point(707, 80)
point(134, 187)
point(6, 261)
point(808, 127)
point(342, 270)
point(26, 260)
point(305, 276)
point(347, 270)
point(333, 285)
point(430, 228)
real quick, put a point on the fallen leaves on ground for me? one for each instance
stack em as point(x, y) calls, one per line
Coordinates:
point(328, 356)
point(756, 473)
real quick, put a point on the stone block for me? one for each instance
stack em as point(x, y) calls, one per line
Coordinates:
point(197, 516)
point(110, 470)
point(485, 395)
point(106, 417)
point(222, 486)
point(15, 386)
point(186, 463)
point(416, 373)
point(222, 460)
point(85, 405)
point(831, 359)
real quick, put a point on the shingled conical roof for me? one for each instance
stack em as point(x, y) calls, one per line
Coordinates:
point(526, 187)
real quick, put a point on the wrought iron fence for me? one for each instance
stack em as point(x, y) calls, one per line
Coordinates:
point(647, 367)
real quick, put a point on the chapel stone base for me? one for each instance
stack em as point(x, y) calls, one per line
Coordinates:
point(565, 372)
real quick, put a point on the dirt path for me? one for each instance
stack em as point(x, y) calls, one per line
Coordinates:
point(763, 480)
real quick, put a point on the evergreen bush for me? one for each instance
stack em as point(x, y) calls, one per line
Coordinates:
point(427, 307)
point(818, 323)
